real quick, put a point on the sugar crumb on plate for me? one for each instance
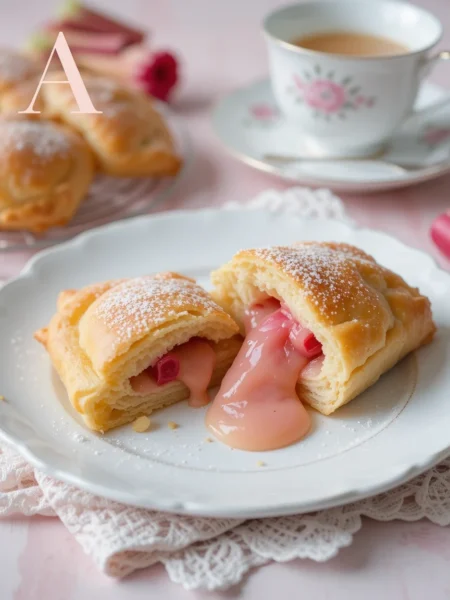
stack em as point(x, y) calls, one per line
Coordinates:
point(172, 425)
point(141, 424)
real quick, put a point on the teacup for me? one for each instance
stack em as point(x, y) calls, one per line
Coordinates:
point(344, 105)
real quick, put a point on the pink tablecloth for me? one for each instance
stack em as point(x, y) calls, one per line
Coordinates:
point(221, 48)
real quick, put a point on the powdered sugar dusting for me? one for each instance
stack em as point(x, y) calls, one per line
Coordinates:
point(103, 92)
point(140, 304)
point(14, 67)
point(329, 275)
point(45, 140)
point(106, 95)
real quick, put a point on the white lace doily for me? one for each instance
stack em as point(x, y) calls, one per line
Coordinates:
point(215, 553)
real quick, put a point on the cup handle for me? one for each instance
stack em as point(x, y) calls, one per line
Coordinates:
point(424, 70)
point(428, 63)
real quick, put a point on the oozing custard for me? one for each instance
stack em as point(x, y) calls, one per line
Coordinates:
point(257, 407)
point(191, 363)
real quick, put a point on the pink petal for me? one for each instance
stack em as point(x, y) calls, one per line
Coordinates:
point(440, 233)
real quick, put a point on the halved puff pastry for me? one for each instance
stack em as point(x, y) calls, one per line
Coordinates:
point(364, 316)
point(129, 138)
point(45, 172)
point(105, 337)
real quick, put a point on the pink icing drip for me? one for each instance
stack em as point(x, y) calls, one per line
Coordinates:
point(257, 407)
point(257, 312)
point(196, 360)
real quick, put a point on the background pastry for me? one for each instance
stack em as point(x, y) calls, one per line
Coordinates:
point(45, 172)
point(129, 137)
point(18, 97)
point(124, 348)
point(326, 320)
point(16, 68)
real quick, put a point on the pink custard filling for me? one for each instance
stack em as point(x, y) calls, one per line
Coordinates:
point(257, 407)
point(191, 363)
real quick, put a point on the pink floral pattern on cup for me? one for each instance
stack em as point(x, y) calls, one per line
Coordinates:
point(328, 97)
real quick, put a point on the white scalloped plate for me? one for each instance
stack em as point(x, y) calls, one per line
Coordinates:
point(392, 432)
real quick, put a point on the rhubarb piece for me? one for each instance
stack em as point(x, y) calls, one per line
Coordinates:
point(95, 43)
point(91, 20)
point(120, 67)
point(305, 341)
point(166, 369)
point(440, 233)
point(191, 363)
point(301, 337)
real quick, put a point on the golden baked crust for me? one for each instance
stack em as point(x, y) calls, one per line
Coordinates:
point(129, 138)
point(366, 317)
point(106, 333)
point(18, 97)
point(45, 172)
point(16, 68)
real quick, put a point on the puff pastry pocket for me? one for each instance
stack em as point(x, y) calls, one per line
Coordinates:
point(125, 348)
point(339, 319)
point(129, 137)
point(45, 173)
point(16, 68)
point(18, 97)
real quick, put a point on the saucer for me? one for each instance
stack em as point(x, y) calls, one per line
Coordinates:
point(251, 127)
